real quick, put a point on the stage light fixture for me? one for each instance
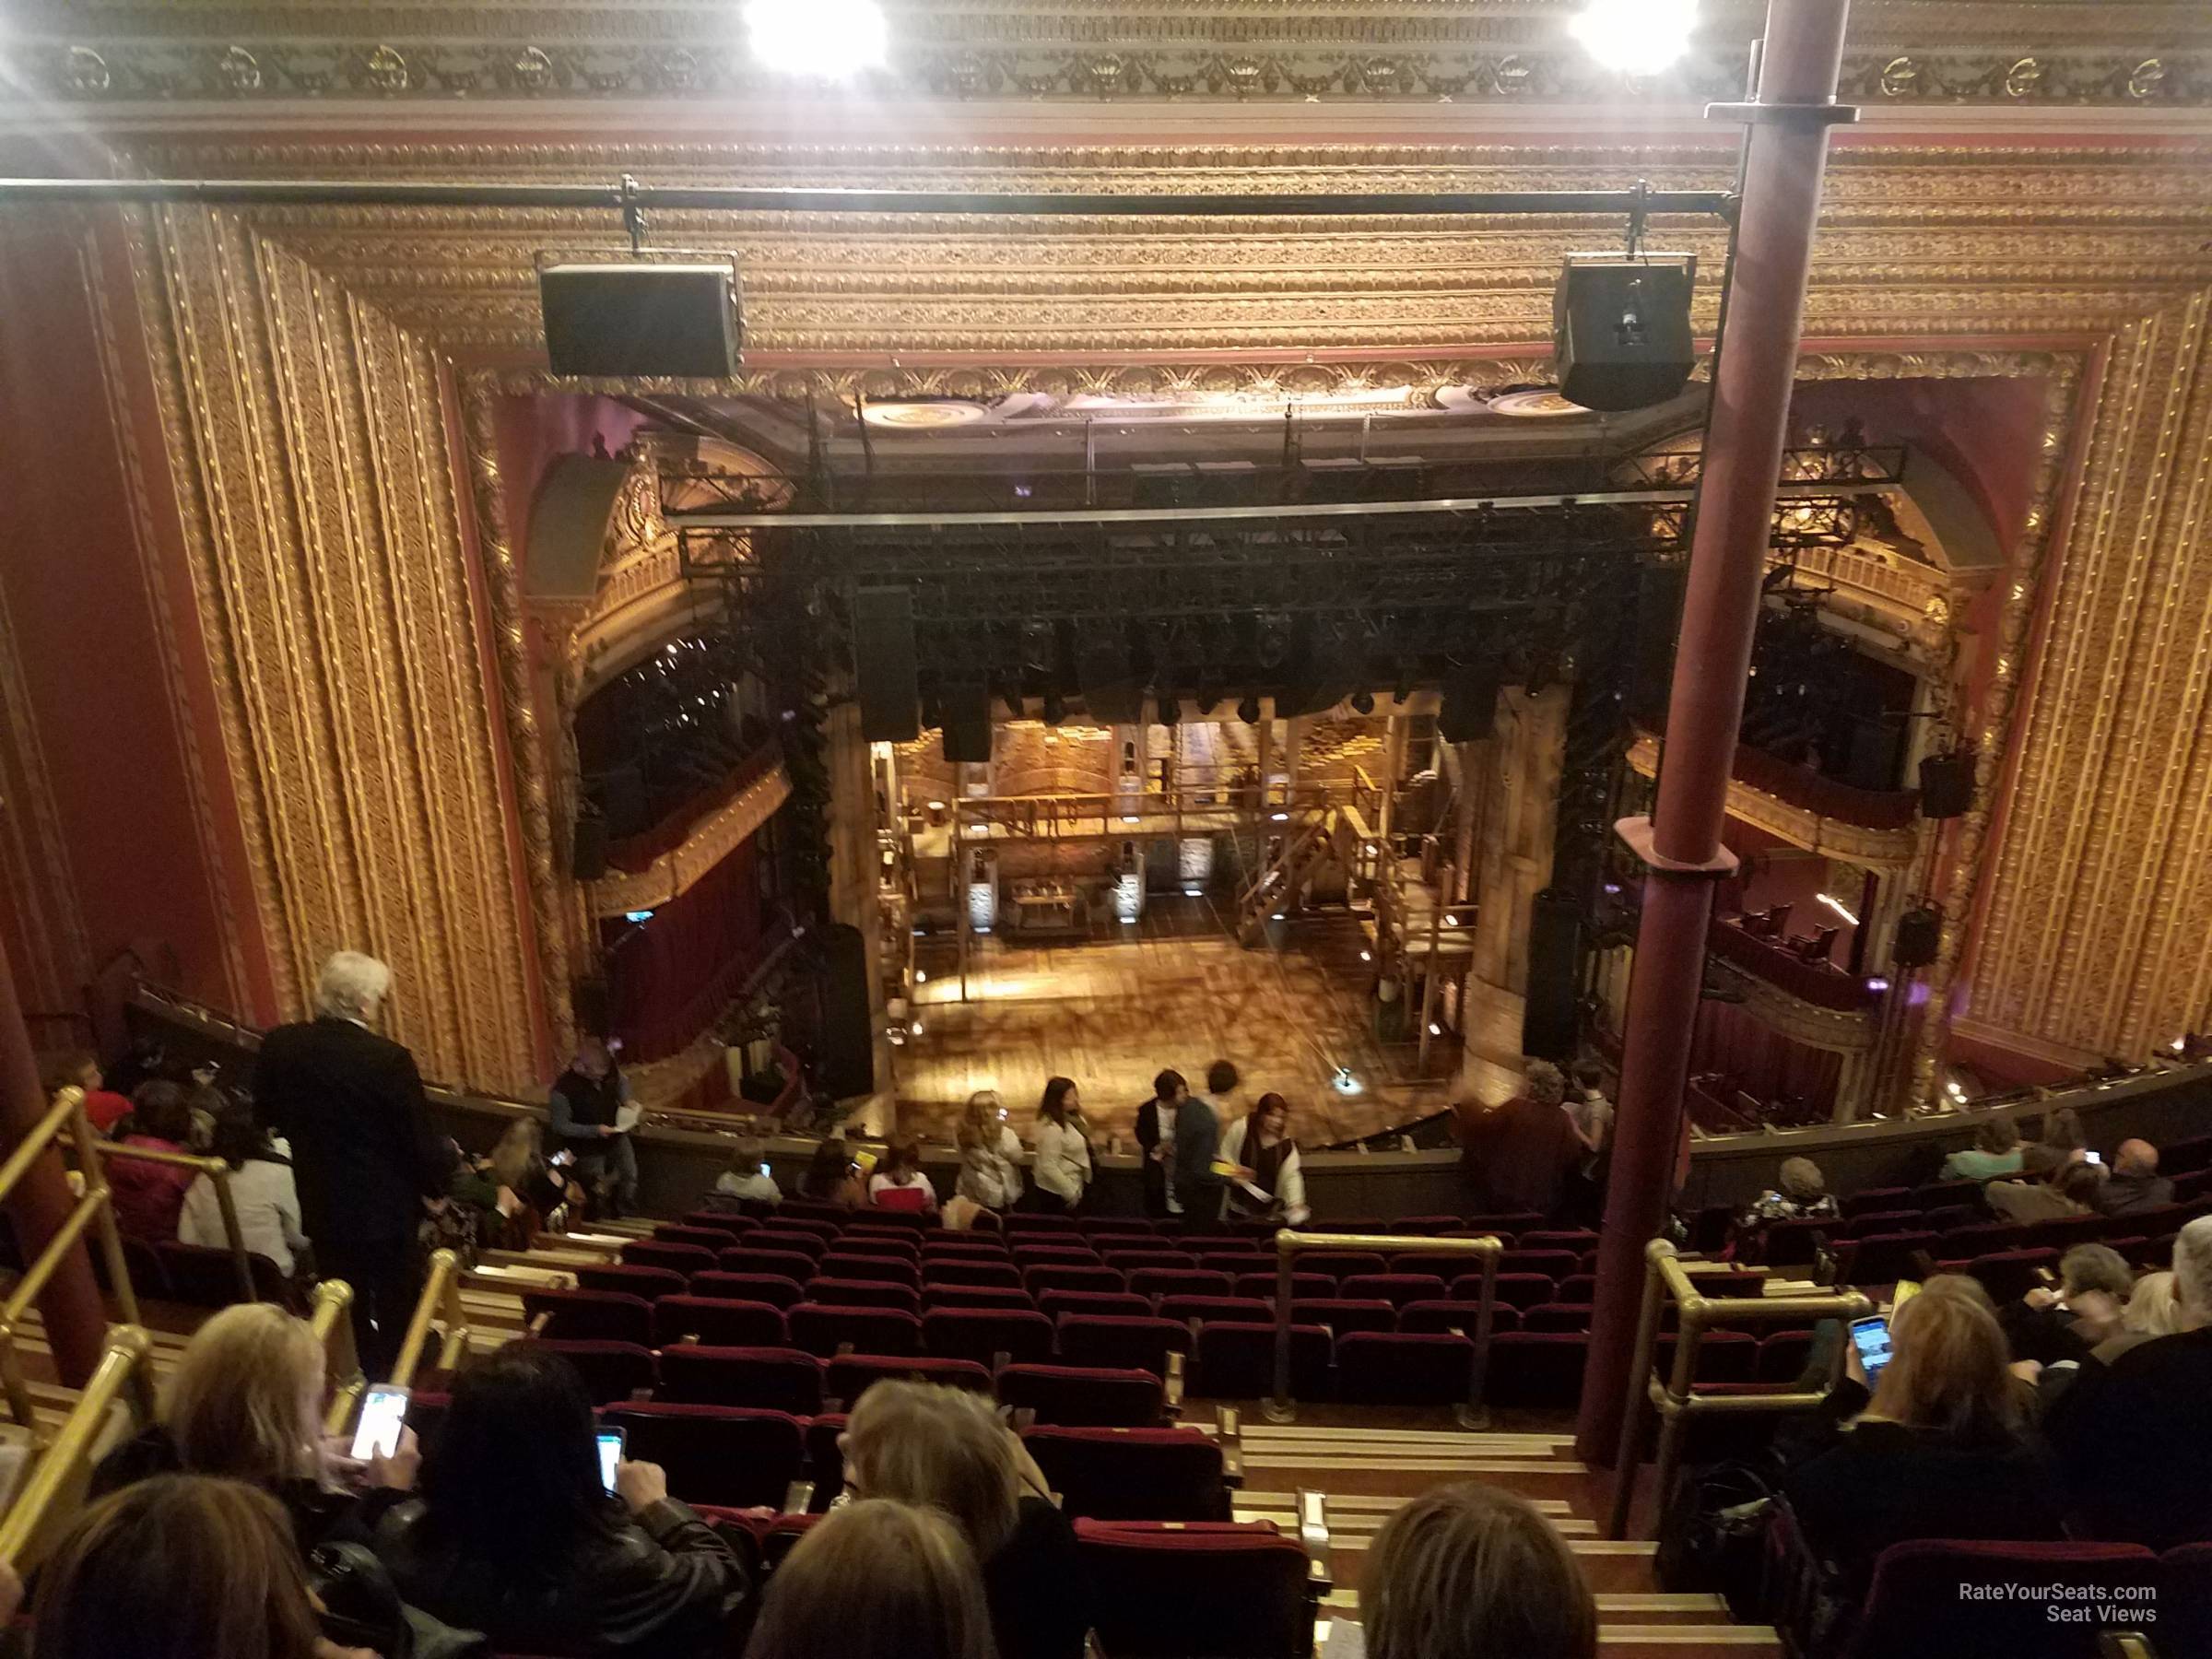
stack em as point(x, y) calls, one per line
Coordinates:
point(1878, 984)
point(920, 977)
point(828, 39)
point(1636, 37)
point(1363, 702)
point(1248, 710)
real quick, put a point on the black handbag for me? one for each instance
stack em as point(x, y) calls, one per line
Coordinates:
point(1714, 1536)
point(360, 1607)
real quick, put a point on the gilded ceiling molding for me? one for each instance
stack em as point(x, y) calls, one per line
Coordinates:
point(308, 446)
point(503, 589)
point(1226, 50)
point(1889, 850)
point(710, 841)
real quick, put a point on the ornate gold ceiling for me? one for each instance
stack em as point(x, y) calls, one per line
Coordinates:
point(1480, 52)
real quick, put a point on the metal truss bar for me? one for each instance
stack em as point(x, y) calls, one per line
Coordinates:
point(616, 198)
point(1183, 516)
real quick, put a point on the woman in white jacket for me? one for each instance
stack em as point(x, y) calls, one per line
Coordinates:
point(1062, 1168)
point(1262, 1142)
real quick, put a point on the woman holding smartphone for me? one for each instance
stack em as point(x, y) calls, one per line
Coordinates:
point(516, 1535)
point(990, 1154)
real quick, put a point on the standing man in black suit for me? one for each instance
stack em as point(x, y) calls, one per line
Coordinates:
point(1156, 1121)
point(1199, 1186)
point(365, 1154)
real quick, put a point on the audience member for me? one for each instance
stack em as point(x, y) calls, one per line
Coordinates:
point(515, 1536)
point(1468, 1572)
point(747, 1177)
point(149, 1196)
point(945, 1448)
point(831, 1176)
point(207, 1106)
point(2135, 1185)
point(1940, 1452)
point(898, 1182)
point(2065, 1191)
point(2062, 1142)
point(262, 1197)
point(1996, 1151)
point(1800, 1193)
point(1155, 1121)
point(876, 1579)
point(1201, 1177)
point(586, 1109)
point(103, 1106)
point(183, 1567)
point(364, 1151)
point(1061, 1169)
point(2055, 1328)
point(1261, 1142)
point(1518, 1155)
point(1593, 1113)
point(990, 1155)
point(245, 1403)
point(2133, 1433)
point(516, 1188)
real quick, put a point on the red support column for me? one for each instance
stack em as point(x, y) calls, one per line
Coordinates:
point(1681, 843)
point(77, 1323)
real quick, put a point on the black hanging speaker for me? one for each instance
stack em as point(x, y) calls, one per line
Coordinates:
point(1469, 712)
point(1919, 931)
point(883, 661)
point(641, 319)
point(847, 1063)
point(967, 710)
point(1947, 785)
point(1620, 328)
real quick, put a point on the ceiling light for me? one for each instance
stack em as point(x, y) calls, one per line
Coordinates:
point(832, 38)
point(1636, 37)
point(1280, 817)
point(921, 978)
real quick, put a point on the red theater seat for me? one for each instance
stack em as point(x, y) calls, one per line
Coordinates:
point(718, 1322)
point(770, 1288)
point(1377, 1368)
point(1180, 1281)
point(978, 1295)
point(1237, 1310)
point(1396, 1288)
point(1083, 1397)
point(983, 1334)
point(709, 1239)
point(589, 1316)
point(792, 1264)
point(1122, 1343)
point(1522, 1290)
point(1110, 1303)
point(882, 1270)
point(719, 1454)
point(1918, 1607)
point(612, 1372)
point(1344, 1316)
point(861, 1293)
point(1229, 1591)
point(970, 1270)
point(1537, 1368)
point(651, 1283)
point(1426, 1318)
point(772, 1379)
point(1237, 1361)
point(1037, 1280)
point(1132, 1473)
point(1303, 1285)
point(1556, 1316)
point(722, 1221)
point(1340, 1263)
point(686, 1259)
point(848, 1375)
point(822, 1329)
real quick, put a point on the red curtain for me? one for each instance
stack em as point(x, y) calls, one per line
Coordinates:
point(671, 974)
point(1761, 1061)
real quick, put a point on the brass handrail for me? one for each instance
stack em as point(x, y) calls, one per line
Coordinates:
point(440, 1298)
point(218, 1171)
point(333, 1324)
point(94, 1204)
point(1281, 1408)
point(1665, 1278)
point(126, 1366)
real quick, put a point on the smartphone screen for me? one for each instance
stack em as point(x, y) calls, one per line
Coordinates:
point(1871, 1337)
point(610, 1453)
point(766, 1172)
point(2094, 1157)
point(383, 1414)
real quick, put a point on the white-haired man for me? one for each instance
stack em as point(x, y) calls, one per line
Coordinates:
point(365, 1153)
point(2135, 1436)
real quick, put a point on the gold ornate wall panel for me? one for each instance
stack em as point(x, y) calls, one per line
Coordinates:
point(309, 441)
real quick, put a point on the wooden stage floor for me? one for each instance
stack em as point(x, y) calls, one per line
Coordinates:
point(1172, 990)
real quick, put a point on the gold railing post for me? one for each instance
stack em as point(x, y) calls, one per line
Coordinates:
point(95, 1174)
point(217, 1173)
point(1475, 1414)
point(444, 1268)
point(122, 1372)
point(1281, 1408)
point(332, 1323)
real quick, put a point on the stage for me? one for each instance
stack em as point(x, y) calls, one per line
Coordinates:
point(1173, 989)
